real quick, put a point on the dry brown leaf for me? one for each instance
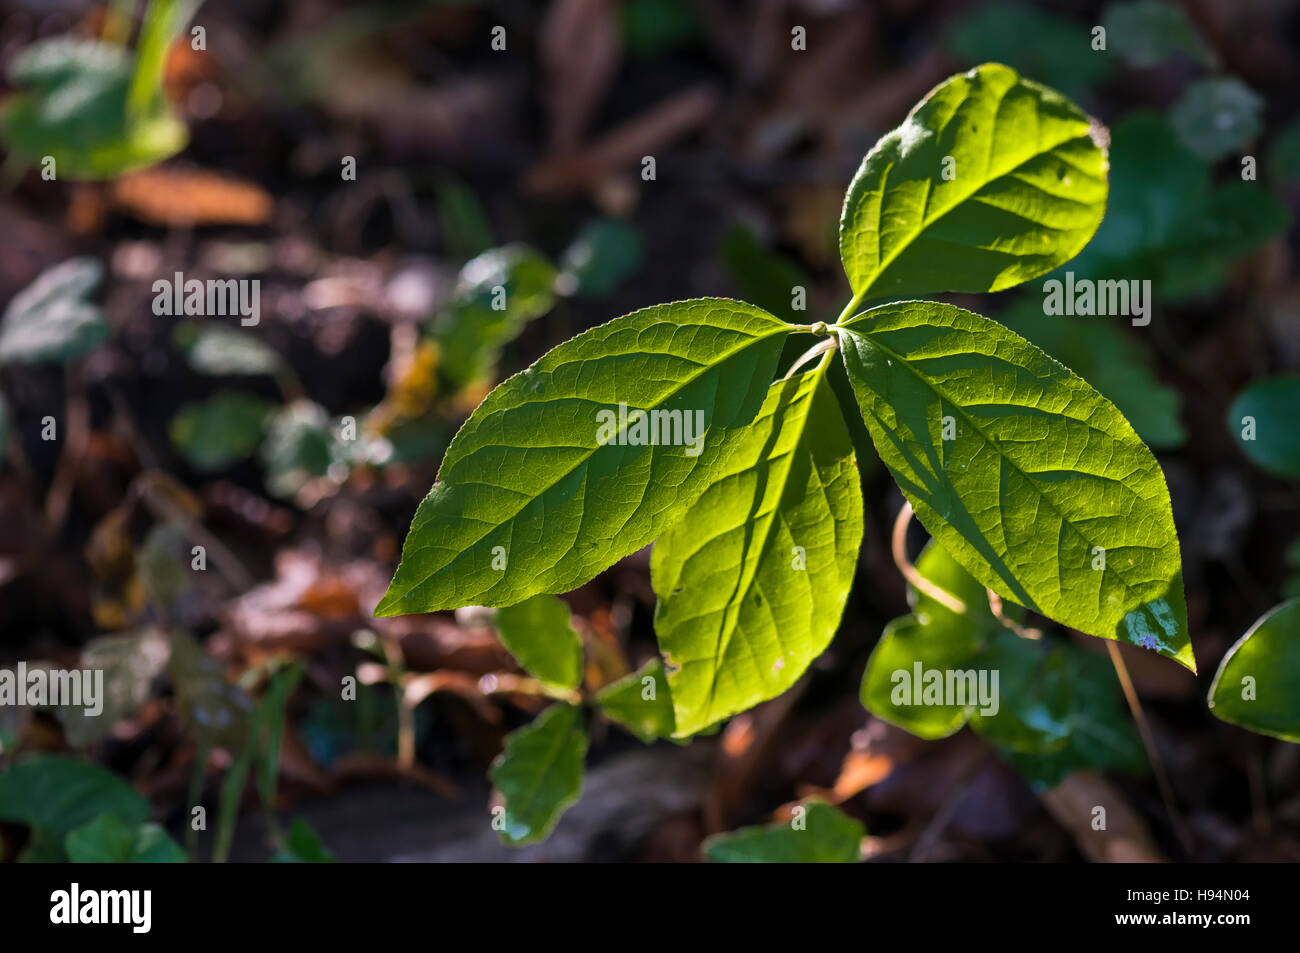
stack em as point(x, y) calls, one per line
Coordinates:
point(1126, 839)
point(184, 197)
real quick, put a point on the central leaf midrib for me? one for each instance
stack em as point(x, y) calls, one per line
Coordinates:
point(745, 584)
point(994, 444)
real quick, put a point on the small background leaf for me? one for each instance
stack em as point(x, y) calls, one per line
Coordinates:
point(829, 837)
point(539, 774)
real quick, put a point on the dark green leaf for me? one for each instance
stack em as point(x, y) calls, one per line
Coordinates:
point(72, 106)
point(821, 835)
point(496, 295)
point(109, 840)
point(58, 794)
point(1256, 684)
point(303, 846)
point(1051, 48)
point(220, 431)
point(539, 774)
point(1263, 421)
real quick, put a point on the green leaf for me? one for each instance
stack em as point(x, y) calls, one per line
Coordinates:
point(1148, 32)
point(1102, 735)
point(1263, 422)
point(1255, 686)
point(828, 837)
point(753, 579)
point(220, 431)
point(641, 702)
point(934, 637)
point(72, 106)
point(271, 710)
point(303, 846)
point(1054, 49)
point(52, 320)
point(540, 636)
point(224, 351)
point(109, 840)
point(529, 499)
point(1043, 470)
point(495, 296)
point(893, 682)
point(1284, 155)
point(1216, 116)
point(605, 254)
point(466, 231)
point(57, 794)
point(539, 774)
point(1025, 191)
point(1167, 222)
point(1033, 694)
point(298, 448)
point(1115, 363)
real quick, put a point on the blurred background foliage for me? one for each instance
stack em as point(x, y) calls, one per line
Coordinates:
point(383, 171)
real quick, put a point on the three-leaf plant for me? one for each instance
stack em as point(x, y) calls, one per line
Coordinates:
point(666, 425)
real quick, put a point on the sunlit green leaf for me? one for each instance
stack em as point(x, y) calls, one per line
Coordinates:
point(1114, 362)
point(641, 702)
point(990, 181)
point(753, 579)
point(605, 254)
point(533, 497)
point(540, 636)
point(1041, 480)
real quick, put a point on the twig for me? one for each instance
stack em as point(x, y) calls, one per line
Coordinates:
point(1148, 742)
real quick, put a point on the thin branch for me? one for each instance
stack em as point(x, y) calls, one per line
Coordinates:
point(1148, 742)
point(918, 582)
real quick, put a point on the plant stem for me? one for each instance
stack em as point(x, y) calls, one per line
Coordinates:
point(821, 347)
point(910, 573)
point(1148, 741)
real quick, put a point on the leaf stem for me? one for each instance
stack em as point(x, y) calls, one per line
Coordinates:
point(1148, 742)
point(910, 572)
point(849, 308)
point(821, 347)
